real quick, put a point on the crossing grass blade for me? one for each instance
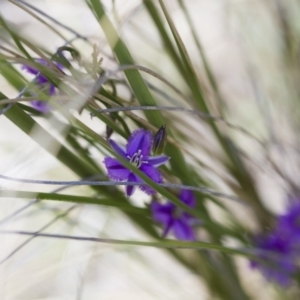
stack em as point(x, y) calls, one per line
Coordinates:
point(126, 207)
point(167, 244)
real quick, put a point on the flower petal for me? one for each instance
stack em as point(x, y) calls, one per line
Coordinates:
point(283, 264)
point(162, 213)
point(41, 106)
point(33, 70)
point(115, 170)
point(140, 139)
point(52, 90)
point(117, 147)
point(187, 197)
point(157, 161)
point(151, 172)
point(42, 80)
point(182, 230)
point(154, 174)
point(30, 69)
point(130, 189)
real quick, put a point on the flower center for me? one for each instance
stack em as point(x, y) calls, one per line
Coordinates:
point(136, 159)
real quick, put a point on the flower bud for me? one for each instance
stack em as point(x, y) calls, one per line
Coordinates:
point(109, 132)
point(160, 140)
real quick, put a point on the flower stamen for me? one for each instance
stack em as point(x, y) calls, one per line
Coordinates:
point(137, 158)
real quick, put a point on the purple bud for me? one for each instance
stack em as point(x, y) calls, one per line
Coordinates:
point(109, 132)
point(160, 140)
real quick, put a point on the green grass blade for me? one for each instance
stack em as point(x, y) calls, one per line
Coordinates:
point(126, 207)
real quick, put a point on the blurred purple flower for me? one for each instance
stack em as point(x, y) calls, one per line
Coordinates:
point(43, 83)
point(41, 106)
point(173, 218)
point(280, 264)
point(277, 259)
point(137, 152)
point(289, 223)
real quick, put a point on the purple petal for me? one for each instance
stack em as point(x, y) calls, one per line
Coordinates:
point(187, 197)
point(41, 106)
point(154, 174)
point(33, 70)
point(117, 147)
point(30, 69)
point(147, 189)
point(41, 78)
point(52, 91)
point(115, 170)
point(157, 161)
point(140, 139)
point(281, 267)
point(151, 172)
point(162, 213)
point(289, 223)
point(182, 230)
point(130, 189)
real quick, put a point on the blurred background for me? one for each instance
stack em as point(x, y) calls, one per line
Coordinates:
point(252, 49)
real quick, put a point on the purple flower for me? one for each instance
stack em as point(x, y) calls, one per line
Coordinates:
point(289, 223)
point(137, 152)
point(277, 259)
point(283, 244)
point(41, 106)
point(173, 218)
point(43, 83)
